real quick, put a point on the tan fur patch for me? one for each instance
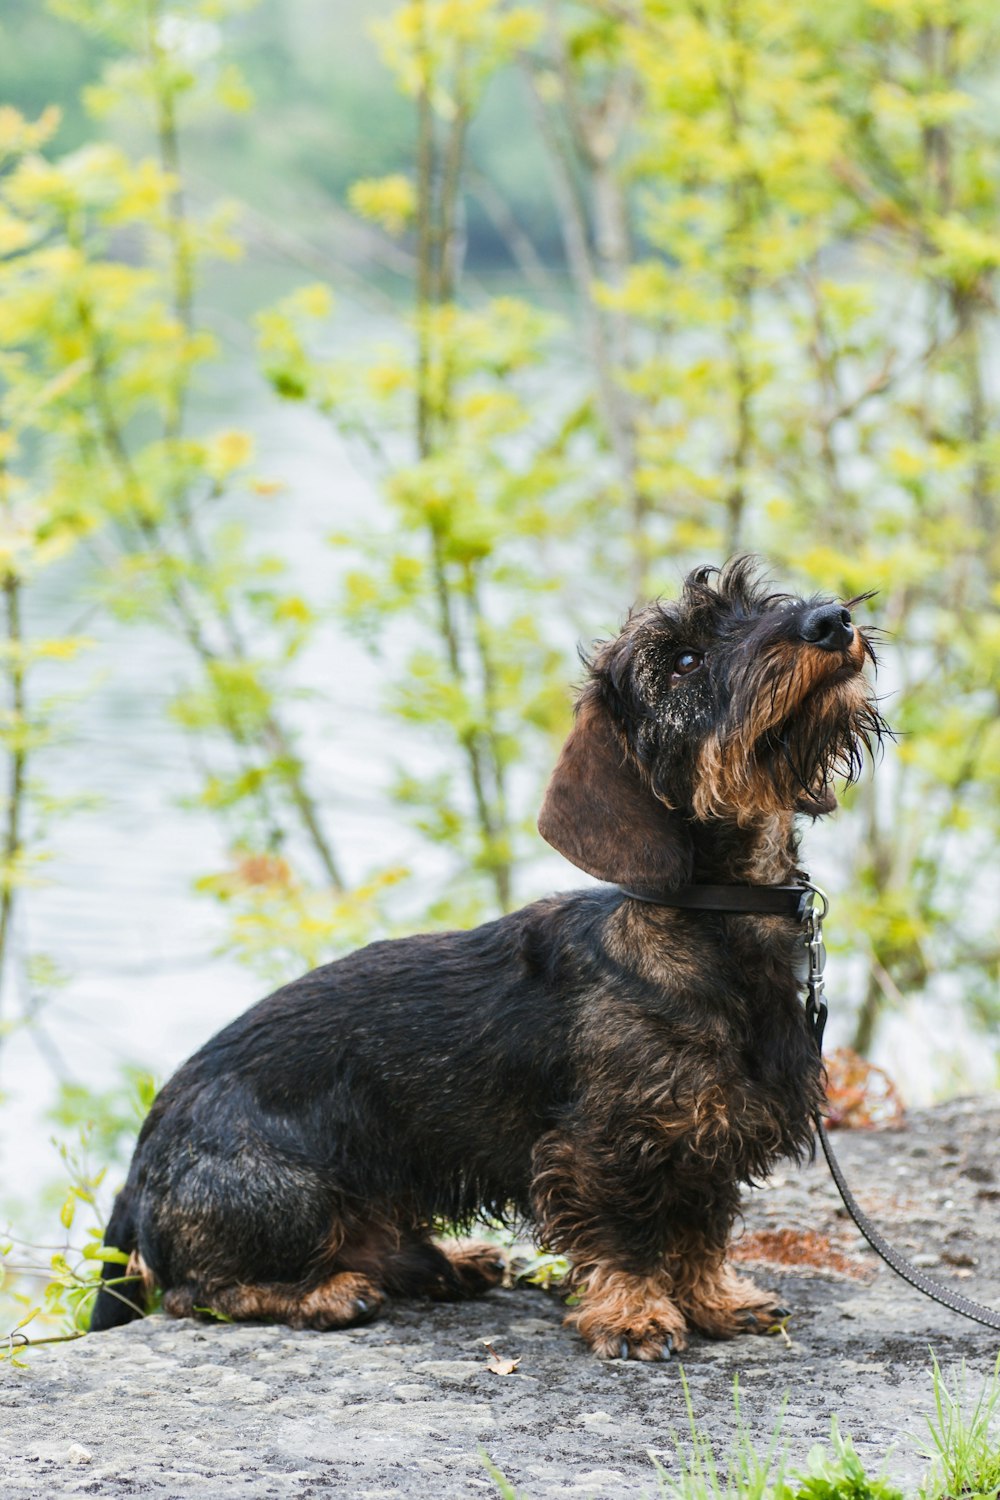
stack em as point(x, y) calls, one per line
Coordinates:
point(336, 1303)
point(344, 1299)
point(730, 779)
point(714, 1299)
point(618, 1309)
point(479, 1264)
point(138, 1267)
point(771, 856)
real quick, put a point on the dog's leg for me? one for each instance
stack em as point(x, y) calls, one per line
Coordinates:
point(340, 1301)
point(626, 1308)
point(715, 1300)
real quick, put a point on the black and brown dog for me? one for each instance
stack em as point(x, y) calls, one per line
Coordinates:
point(606, 1067)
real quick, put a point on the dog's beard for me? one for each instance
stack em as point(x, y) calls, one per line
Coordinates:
point(827, 740)
point(791, 763)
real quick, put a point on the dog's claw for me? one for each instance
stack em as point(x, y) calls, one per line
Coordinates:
point(361, 1305)
point(668, 1347)
point(781, 1312)
point(623, 1349)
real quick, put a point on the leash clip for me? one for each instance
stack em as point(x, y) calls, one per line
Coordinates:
point(816, 905)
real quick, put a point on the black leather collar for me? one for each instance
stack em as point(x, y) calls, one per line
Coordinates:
point(763, 900)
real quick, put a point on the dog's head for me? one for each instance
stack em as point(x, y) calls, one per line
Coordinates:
point(731, 704)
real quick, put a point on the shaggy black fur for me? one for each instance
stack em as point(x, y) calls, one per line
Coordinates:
point(609, 1070)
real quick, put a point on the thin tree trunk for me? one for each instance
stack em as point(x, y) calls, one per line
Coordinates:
point(16, 766)
point(439, 178)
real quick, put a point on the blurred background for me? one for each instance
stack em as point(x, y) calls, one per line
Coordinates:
point(358, 363)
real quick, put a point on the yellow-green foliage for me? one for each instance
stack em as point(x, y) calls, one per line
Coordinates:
point(102, 346)
point(802, 341)
point(779, 223)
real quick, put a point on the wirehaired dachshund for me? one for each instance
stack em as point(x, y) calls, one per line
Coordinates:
point(607, 1068)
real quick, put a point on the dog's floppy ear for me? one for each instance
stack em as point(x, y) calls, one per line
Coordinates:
point(600, 815)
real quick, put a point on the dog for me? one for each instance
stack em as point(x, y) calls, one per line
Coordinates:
point(599, 1064)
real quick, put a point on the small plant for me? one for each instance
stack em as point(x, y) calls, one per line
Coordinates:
point(749, 1474)
point(964, 1446)
point(53, 1286)
point(544, 1270)
point(840, 1476)
point(746, 1474)
point(505, 1489)
point(69, 1274)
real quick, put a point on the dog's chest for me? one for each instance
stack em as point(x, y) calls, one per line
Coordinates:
point(734, 1040)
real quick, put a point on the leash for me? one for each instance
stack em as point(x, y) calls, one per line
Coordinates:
point(816, 1013)
point(800, 902)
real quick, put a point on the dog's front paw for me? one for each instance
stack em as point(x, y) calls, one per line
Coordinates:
point(724, 1305)
point(622, 1316)
point(651, 1343)
point(762, 1316)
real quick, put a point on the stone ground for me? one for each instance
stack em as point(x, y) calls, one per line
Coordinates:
point(408, 1407)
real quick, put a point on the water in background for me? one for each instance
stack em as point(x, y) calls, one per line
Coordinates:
point(118, 912)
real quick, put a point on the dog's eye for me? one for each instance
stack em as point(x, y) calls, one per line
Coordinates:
point(686, 662)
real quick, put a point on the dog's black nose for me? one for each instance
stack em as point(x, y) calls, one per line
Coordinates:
point(828, 626)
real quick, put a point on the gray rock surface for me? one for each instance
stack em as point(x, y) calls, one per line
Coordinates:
point(408, 1407)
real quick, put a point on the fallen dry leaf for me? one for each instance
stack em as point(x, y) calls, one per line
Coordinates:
point(498, 1365)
